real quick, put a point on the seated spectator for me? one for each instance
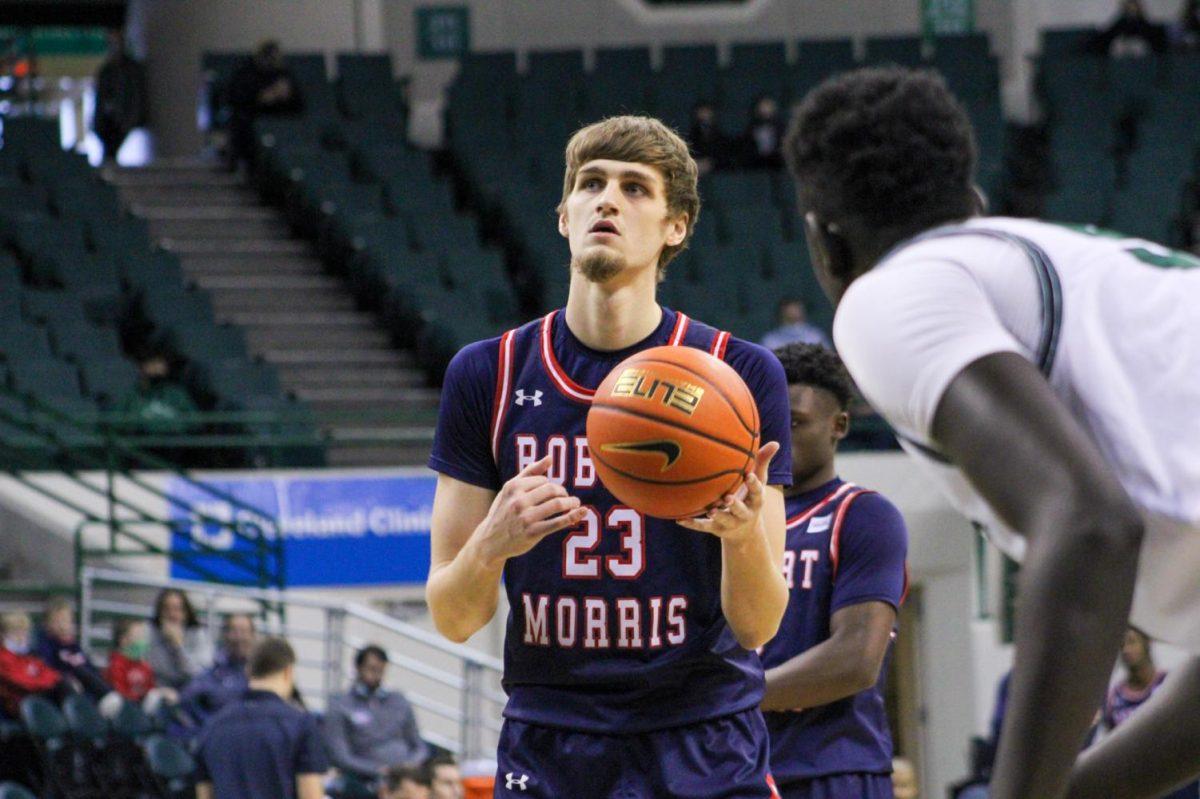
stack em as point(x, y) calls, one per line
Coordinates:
point(159, 405)
point(445, 780)
point(763, 140)
point(370, 729)
point(1185, 34)
point(58, 646)
point(794, 327)
point(226, 681)
point(709, 146)
point(1131, 34)
point(263, 86)
point(128, 671)
point(405, 782)
point(287, 757)
point(179, 645)
point(22, 672)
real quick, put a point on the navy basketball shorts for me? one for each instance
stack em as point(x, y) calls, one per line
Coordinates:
point(840, 786)
point(724, 758)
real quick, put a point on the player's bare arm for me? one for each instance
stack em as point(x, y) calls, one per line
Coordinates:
point(843, 665)
point(1018, 445)
point(1156, 751)
point(752, 530)
point(475, 530)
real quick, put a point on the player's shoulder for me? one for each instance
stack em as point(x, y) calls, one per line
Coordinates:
point(750, 359)
point(867, 506)
point(479, 360)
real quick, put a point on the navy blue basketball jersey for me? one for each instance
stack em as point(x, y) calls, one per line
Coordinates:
point(845, 545)
point(616, 625)
point(1123, 700)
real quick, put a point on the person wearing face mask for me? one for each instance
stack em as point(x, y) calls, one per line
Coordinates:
point(22, 672)
point(128, 671)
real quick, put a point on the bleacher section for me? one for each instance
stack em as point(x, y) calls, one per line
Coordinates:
point(79, 279)
point(507, 132)
point(1124, 137)
point(380, 211)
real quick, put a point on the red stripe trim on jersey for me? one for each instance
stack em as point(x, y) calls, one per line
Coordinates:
point(562, 381)
point(774, 789)
point(834, 540)
point(720, 342)
point(801, 518)
point(503, 388)
point(680, 330)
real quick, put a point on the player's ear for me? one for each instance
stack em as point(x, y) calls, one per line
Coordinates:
point(677, 230)
point(980, 198)
point(563, 230)
point(841, 425)
point(829, 250)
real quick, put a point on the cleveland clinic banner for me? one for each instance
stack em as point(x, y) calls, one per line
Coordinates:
point(337, 530)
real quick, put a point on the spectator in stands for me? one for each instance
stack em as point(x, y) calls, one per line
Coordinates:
point(370, 729)
point(1142, 679)
point(1185, 34)
point(794, 327)
point(158, 405)
point(120, 97)
point(128, 672)
point(445, 780)
point(763, 140)
point(226, 681)
point(179, 645)
point(405, 782)
point(709, 146)
point(904, 779)
point(1131, 33)
point(287, 759)
point(22, 672)
point(58, 646)
point(263, 86)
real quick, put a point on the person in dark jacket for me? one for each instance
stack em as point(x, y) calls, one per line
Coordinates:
point(263, 86)
point(58, 646)
point(120, 97)
point(225, 682)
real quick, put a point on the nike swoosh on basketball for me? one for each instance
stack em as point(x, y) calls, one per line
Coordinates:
point(670, 450)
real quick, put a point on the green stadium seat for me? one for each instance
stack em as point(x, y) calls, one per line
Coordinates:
point(26, 134)
point(406, 196)
point(171, 764)
point(737, 189)
point(23, 340)
point(168, 306)
point(11, 790)
point(761, 224)
point(233, 381)
point(626, 62)
point(551, 67)
point(207, 343)
point(434, 230)
point(18, 196)
point(132, 723)
point(123, 237)
point(962, 47)
point(1066, 41)
point(107, 379)
point(44, 379)
point(903, 50)
point(762, 56)
point(146, 268)
point(51, 305)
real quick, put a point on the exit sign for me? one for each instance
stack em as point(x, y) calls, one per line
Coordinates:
point(443, 32)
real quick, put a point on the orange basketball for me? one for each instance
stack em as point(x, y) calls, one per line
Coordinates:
point(672, 430)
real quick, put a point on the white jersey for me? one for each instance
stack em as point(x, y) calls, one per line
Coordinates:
point(1113, 323)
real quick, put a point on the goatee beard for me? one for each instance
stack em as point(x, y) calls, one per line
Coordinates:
point(598, 266)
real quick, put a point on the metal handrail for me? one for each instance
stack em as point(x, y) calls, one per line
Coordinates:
point(473, 714)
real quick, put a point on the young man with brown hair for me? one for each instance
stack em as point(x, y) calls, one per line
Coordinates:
point(629, 657)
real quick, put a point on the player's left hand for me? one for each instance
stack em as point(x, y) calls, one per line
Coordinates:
point(738, 518)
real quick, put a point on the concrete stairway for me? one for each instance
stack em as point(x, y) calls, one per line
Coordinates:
point(370, 400)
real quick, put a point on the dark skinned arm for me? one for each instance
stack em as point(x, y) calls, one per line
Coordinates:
point(1154, 752)
point(842, 665)
point(1002, 425)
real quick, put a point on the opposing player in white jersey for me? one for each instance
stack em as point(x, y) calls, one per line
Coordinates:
point(1049, 379)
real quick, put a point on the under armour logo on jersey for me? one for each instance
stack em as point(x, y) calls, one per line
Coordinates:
point(510, 779)
point(535, 398)
point(819, 524)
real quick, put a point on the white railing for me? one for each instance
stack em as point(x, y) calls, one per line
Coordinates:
point(455, 689)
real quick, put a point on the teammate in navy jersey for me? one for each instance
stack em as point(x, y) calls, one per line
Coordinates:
point(629, 659)
point(845, 567)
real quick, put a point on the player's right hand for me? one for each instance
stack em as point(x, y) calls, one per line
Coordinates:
point(528, 508)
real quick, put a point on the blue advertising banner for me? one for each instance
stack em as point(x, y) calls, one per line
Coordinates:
point(337, 530)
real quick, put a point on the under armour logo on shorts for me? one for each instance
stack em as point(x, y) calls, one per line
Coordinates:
point(535, 398)
point(510, 779)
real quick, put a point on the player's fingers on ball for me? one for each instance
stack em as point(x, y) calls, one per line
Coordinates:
point(765, 455)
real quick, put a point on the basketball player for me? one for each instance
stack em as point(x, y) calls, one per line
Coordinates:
point(844, 566)
point(629, 659)
point(1049, 379)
